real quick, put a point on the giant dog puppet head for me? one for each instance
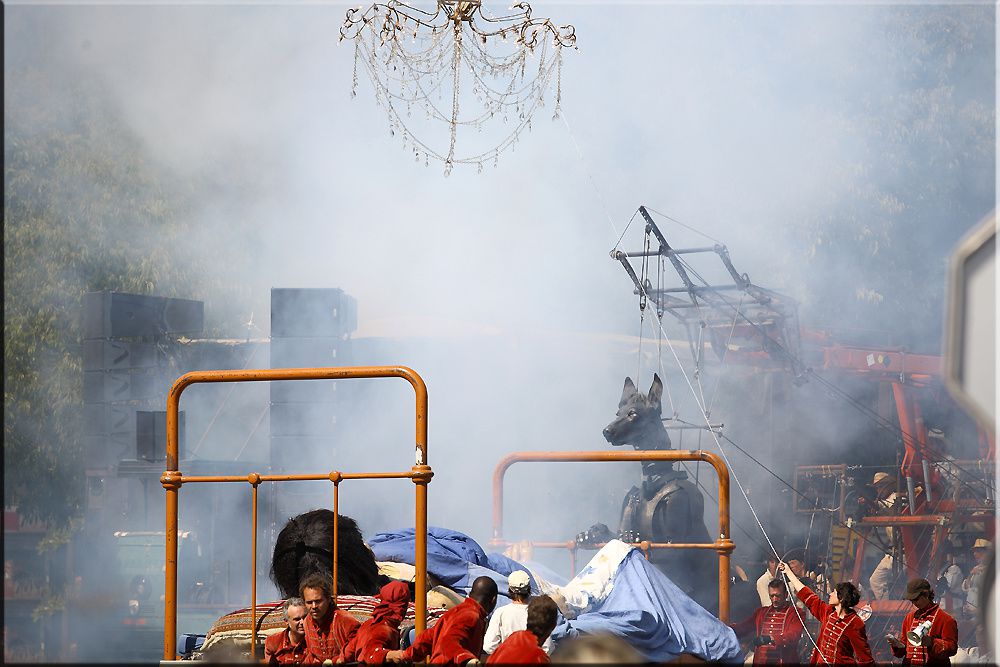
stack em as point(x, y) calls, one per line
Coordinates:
point(638, 421)
point(638, 424)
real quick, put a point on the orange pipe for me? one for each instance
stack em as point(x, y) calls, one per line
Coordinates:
point(421, 477)
point(254, 480)
point(723, 545)
point(172, 478)
point(297, 478)
point(335, 478)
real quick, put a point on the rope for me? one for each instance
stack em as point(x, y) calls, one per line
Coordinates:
point(590, 176)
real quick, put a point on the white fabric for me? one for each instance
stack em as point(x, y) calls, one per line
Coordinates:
point(762, 582)
point(504, 622)
point(587, 589)
point(881, 578)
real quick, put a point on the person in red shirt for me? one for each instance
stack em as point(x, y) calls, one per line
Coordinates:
point(776, 629)
point(328, 629)
point(288, 647)
point(842, 637)
point(457, 637)
point(380, 633)
point(939, 642)
point(524, 647)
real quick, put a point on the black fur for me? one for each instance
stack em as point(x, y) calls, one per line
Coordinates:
point(305, 546)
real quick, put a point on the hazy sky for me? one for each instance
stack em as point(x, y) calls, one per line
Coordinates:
point(729, 118)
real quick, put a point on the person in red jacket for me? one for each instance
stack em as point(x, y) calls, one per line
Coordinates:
point(842, 637)
point(328, 629)
point(288, 647)
point(939, 642)
point(776, 629)
point(380, 633)
point(524, 647)
point(457, 637)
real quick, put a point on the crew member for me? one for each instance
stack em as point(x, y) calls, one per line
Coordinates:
point(776, 628)
point(842, 637)
point(764, 581)
point(380, 633)
point(939, 642)
point(288, 647)
point(511, 618)
point(887, 502)
point(525, 647)
point(972, 584)
point(328, 629)
point(457, 637)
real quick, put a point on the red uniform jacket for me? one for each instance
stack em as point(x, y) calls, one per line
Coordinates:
point(520, 648)
point(279, 650)
point(841, 640)
point(784, 628)
point(943, 633)
point(326, 640)
point(456, 638)
point(380, 633)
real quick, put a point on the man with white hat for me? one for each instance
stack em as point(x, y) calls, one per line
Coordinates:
point(973, 583)
point(513, 617)
point(885, 503)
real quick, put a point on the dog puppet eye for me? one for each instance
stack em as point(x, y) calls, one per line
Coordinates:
point(632, 413)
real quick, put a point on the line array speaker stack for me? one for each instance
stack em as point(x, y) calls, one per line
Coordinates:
point(310, 327)
point(124, 371)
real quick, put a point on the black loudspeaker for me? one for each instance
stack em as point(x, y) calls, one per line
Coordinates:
point(303, 418)
point(101, 354)
point(151, 435)
point(118, 315)
point(106, 418)
point(293, 452)
point(309, 352)
point(312, 312)
point(122, 385)
point(108, 449)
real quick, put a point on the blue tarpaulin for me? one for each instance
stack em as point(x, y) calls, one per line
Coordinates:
point(454, 558)
point(655, 616)
point(641, 604)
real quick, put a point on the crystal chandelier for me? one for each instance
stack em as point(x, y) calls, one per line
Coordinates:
point(420, 61)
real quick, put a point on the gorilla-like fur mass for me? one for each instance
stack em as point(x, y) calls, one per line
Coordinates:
point(305, 546)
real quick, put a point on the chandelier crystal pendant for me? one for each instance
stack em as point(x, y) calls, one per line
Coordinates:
point(420, 61)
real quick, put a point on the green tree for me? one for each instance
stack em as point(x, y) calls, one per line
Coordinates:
point(925, 173)
point(86, 209)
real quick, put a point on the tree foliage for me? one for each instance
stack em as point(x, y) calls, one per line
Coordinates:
point(924, 174)
point(85, 209)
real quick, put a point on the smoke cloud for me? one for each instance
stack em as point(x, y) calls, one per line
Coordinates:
point(838, 151)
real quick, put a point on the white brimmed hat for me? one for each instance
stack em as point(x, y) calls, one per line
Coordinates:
point(519, 579)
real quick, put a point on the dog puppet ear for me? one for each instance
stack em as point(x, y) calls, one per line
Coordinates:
point(628, 392)
point(656, 391)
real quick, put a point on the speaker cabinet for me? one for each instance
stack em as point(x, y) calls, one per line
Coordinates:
point(312, 312)
point(118, 315)
point(102, 354)
point(151, 435)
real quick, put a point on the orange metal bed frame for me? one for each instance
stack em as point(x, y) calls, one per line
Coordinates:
point(723, 545)
point(172, 480)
